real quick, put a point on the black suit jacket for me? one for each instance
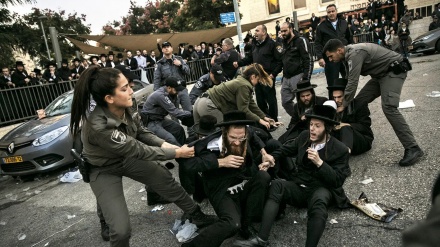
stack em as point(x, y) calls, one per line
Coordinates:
point(18, 78)
point(325, 32)
point(4, 82)
point(132, 63)
point(331, 174)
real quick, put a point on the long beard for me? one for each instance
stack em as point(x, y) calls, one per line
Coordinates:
point(229, 149)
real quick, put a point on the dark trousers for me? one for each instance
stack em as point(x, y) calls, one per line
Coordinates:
point(267, 100)
point(332, 71)
point(169, 130)
point(354, 140)
point(235, 210)
point(317, 201)
point(106, 184)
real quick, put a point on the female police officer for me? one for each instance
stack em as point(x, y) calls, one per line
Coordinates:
point(116, 145)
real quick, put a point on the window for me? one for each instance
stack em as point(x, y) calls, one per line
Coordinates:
point(298, 4)
point(273, 6)
point(327, 1)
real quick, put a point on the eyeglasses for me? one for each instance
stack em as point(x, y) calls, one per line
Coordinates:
point(233, 139)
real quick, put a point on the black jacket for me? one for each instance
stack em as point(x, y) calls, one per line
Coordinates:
point(299, 110)
point(133, 63)
point(266, 54)
point(51, 78)
point(325, 32)
point(18, 78)
point(64, 73)
point(218, 180)
point(297, 57)
point(331, 174)
point(4, 82)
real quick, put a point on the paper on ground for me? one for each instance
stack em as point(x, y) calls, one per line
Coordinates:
point(407, 104)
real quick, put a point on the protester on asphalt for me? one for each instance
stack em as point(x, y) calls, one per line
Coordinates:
point(235, 187)
point(116, 145)
point(297, 65)
point(214, 77)
point(322, 163)
point(332, 28)
point(161, 103)
point(264, 52)
point(233, 95)
point(354, 129)
point(171, 65)
point(388, 71)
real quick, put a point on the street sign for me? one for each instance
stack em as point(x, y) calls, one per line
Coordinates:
point(226, 18)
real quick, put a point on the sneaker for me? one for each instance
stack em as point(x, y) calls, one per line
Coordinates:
point(153, 199)
point(253, 242)
point(411, 156)
point(105, 231)
point(198, 218)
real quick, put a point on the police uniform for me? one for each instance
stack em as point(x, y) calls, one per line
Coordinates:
point(158, 105)
point(166, 68)
point(376, 61)
point(204, 83)
point(117, 148)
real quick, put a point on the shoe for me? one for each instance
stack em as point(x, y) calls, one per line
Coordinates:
point(253, 242)
point(198, 218)
point(105, 231)
point(247, 232)
point(153, 198)
point(411, 156)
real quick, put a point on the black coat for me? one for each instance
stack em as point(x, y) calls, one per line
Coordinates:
point(325, 32)
point(132, 63)
point(218, 180)
point(51, 78)
point(4, 82)
point(331, 174)
point(18, 78)
point(297, 57)
point(314, 23)
point(64, 73)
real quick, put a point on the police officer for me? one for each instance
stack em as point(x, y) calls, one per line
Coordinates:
point(297, 64)
point(159, 104)
point(116, 145)
point(171, 65)
point(214, 77)
point(388, 71)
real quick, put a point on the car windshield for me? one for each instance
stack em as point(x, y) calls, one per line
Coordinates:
point(61, 105)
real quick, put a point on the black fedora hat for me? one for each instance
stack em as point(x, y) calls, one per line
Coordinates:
point(103, 55)
point(64, 60)
point(304, 86)
point(111, 53)
point(119, 55)
point(235, 118)
point(92, 57)
point(338, 84)
point(51, 63)
point(325, 113)
point(37, 71)
point(76, 60)
point(19, 63)
point(206, 125)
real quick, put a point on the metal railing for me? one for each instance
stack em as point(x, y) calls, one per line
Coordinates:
point(363, 38)
point(19, 104)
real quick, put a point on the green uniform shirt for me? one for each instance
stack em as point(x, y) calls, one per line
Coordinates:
point(108, 139)
point(236, 94)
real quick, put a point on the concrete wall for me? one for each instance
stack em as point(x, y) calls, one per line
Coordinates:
point(419, 27)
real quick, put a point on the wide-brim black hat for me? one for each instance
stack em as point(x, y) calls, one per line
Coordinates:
point(91, 58)
point(325, 113)
point(119, 55)
point(304, 86)
point(111, 53)
point(64, 60)
point(235, 118)
point(338, 84)
point(206, 125)
point(53, 63)
point(76, 60)
point(19, 63)
point(37, 71)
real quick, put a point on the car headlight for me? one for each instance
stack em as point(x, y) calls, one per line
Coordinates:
point(50, 136)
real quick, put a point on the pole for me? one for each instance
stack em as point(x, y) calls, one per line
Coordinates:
point(239, 32)
point(45, 40)
point(56, 46)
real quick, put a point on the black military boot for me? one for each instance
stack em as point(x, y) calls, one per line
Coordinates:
point(253, 242)
point(199, 219)
point(153, 198)
point(411, 156)
point(105, 231)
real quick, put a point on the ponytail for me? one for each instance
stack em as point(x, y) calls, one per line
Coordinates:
point(97, 82)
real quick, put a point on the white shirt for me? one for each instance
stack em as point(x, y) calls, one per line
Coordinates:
point(142, 61)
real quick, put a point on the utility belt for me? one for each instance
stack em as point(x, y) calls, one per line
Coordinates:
point(205, 95)
point(146, 118)
point(400, 67)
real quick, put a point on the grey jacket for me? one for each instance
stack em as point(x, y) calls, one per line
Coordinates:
point(159, 104)
point(166, 69)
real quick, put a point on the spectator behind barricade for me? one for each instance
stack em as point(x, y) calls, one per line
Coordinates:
point(377, 36)
point(227, 58)
point(434, 24)
point(152, 59)
point(211, 50)
point(355, 31)
point(38, 77)
point(192, 54)
point(182, 52)
point(119, 59)
point(141, 60)
point(394, 24)
point(64, 72)
point(145, 53)
point(77, 69)
point(110, 63)
point(84, 64)
point(102, 60)
point(50, 74)
point(204, 51)
point(171, 65)
point(363, 28)
point(214, 77)
point(94, 60)
point(5, 79)
point(20, 77)
point(131, 61)
point(368, 26)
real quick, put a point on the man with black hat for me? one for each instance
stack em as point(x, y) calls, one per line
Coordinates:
point(37, 79)
point(161, 103)
point(235, 187)
point(94, 60)
point(175, 66)
point(119, 59)
point(354, 129)
point(131, 61)
point(110, 63)
point(20, 77)
point(388, 71)
point(103, 60)
point(214, 77)
point(322, 163)
point(77, 69)
point(51, 74)
point(5, 79)
point(307, 99)
point(64, 72)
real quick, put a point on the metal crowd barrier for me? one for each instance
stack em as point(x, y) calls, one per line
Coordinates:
point(363, 38)
point(19, 104)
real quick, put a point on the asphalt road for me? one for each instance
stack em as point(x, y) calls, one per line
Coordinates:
point(43, 217)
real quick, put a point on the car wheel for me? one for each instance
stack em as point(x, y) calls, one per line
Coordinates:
point(437, 46)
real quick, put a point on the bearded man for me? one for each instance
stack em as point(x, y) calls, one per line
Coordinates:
point(322, 169)
point(235, 187)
